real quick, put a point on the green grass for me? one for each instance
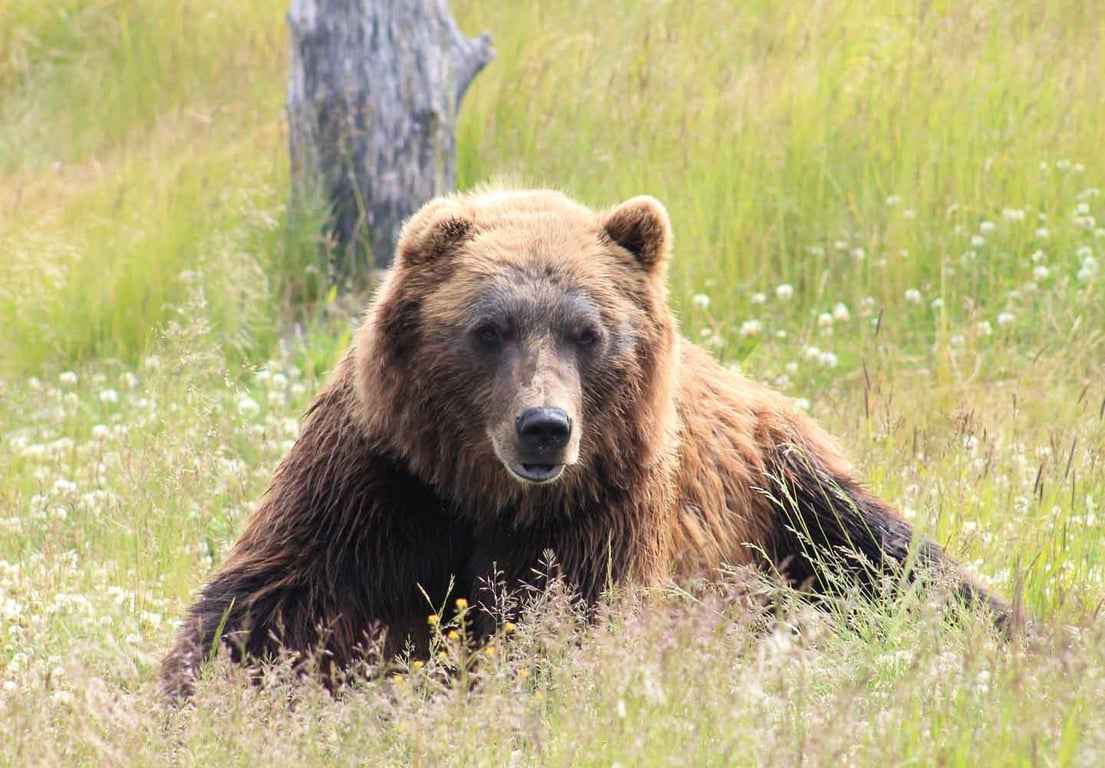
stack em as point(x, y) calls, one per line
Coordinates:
point(890, 210)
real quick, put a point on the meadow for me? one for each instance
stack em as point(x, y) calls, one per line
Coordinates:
point(891, 211)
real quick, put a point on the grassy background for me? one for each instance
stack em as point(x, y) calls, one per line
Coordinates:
point(889, 210)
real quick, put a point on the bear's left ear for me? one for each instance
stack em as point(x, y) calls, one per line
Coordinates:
point(432, 231)
point(641, 226)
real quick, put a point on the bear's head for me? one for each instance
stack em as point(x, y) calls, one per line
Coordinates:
point(521, 347)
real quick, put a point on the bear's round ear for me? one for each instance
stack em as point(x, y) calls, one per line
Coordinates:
point(432, 231)
point(641, 226)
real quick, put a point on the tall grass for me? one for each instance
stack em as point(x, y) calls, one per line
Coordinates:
point(891, 211)
point(772, 127)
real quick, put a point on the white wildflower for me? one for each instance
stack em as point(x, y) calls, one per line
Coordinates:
point(759, 298)
point(63, 487)
point(62, 698)
point(67, 378)
point(109, 396)
point(784, 292)
point(10, 609)
point(1006, 318)
point(913, 296)
point(1089, 269)
point(700, 301)
point(751, 328)
point(841, 313)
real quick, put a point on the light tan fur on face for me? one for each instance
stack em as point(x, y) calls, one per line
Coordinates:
point(538, 380)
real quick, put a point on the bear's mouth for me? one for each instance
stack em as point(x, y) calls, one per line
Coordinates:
point(535, 473)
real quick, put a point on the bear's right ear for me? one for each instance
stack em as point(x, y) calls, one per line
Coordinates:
point(641, 226)
point(432, 231)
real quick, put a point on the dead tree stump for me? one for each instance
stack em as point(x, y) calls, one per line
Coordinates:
point(373, 96)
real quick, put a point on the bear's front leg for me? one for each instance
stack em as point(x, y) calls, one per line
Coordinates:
point(250, 610)
point(832, 532)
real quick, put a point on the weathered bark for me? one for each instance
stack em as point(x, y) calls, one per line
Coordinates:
point(373, 94)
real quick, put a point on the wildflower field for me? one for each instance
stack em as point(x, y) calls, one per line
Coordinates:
point(891, 211)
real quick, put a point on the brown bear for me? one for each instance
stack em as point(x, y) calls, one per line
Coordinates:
point(519, 385)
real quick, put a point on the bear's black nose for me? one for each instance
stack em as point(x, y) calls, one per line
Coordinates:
point(543, 431)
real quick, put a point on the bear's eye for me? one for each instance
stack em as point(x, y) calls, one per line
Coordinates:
point(588, 337)
point(488, 335)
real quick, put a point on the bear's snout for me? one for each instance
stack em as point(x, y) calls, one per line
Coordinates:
point(543, 443)
point(543, 432)
point(541, 436)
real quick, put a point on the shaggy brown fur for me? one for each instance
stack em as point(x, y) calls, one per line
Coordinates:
point(415, 468)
